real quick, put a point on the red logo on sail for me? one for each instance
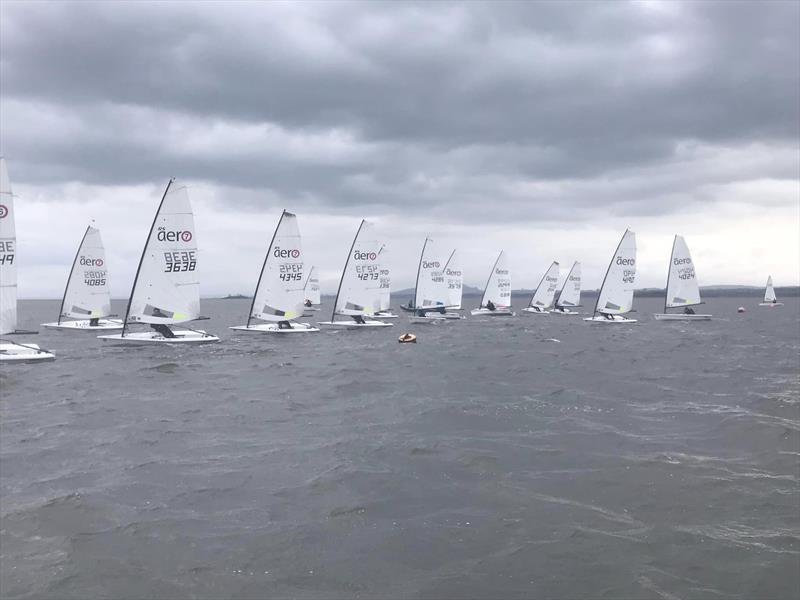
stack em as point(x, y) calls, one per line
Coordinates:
point(186, 236)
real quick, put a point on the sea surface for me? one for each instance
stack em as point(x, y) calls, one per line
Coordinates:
point(653, 460)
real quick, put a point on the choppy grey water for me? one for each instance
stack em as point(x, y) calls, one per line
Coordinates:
point(656, 460)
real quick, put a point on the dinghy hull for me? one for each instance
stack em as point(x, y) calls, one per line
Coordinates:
point(273, 328)
point(680, 317)
point(83, 325)
point(565, 312)
point(498, 312)
point(535, 311)
point(616, 320)
point(15, 353)
point(153, 337)
point(386, 315)
point(771, 304)
point(353, 324)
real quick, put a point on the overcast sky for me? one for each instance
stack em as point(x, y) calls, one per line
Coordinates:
point(544, 129)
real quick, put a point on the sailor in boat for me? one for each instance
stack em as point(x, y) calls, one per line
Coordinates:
point(410, 304)
point(307, 303)
point(688, 310)
point(284, 325)
point(359, 319)
point(94, 322)
point(608, 316)
point(490, 305)
point(160, 327)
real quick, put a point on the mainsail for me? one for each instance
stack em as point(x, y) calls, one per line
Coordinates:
point(431, 288)
point(543, 296)
point(359, 290)
point(87, 294)
point(312, 292)
point(280, 291)
point(386, 281)
point(616, 293)
point(8, 252)
point(571, 290)
point(498, 287)
point(166, 288)
point(454, 280)
point(769, 293)
point(682, 287)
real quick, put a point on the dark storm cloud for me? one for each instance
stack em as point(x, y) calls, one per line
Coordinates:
point(397, 104)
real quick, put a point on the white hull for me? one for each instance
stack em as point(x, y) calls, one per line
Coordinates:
point(385, 315)
point(616, 319)
point(182, 336)
point(273, 328)
point(680, 317)
point(426, 319)
point(535, 311)
point(565, 312)
point(25, 353)
point(353, 324)
point(770, 304)
point(83, 325)
point(498, 312)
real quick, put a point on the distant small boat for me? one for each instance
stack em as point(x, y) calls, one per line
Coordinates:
point(312, 293)
point(166, 289)
point(280, 291)
point(12, 351)
point(682, 288)
point(359, 292)
point(87, 299)
point(570, 296)
point(430, 290)
point(616, 293)
point(769, 295)
point(496, 298)
point(542, 299)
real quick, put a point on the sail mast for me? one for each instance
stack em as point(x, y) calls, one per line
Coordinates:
point(419, 268)
point(669, 271)
point(69, 277)
point(264, 266)
point(141, 259)
point(347, 262)
point(486, 287)
point(611, 262)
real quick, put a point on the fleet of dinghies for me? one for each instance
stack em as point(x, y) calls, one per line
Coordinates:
point(166, 290)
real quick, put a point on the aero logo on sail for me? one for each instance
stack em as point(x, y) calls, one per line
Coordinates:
point(3, 211)
point(681, 261)
point(626, 261)
point(173, 236)
point(359, 255)
point(91, 262)
point(427, 264)
point(278, 253)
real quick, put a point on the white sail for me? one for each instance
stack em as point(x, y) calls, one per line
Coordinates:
point(571, 290)
point(546, 292)
point(386, 281)
point(454, 280)
point(431, 289)
point(498, 287)
point(280, 290)
point(87, 295)
point(312, 292)
point(8, 255)
point(167, 289)
point(682, 287)
point(616, 294)
point(360, 287)
point(769, 294)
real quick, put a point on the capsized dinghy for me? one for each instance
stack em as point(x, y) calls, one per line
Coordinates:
point(570, 296)
point(683, 290)
point(12, 351)
point(166, 289)
point(280, 291)
point(769, 295)
point(616, 294)
point(496, 298)
point(359, 294)
point(542, 298)
point(87, 299)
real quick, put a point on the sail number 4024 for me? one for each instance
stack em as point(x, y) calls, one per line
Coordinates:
point(180, 260)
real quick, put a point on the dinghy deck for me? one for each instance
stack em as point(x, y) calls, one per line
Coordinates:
point(83, 325)
point(14, 353)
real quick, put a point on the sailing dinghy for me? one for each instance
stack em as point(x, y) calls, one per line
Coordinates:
point(570, 296)
point(166, 289)
point(311, 293)
point(385, 304)
point(454, 277)
point(280, 291)
point(359, 294)
point(682, 288)
point(769, 295)
point(87, 299)
point(430, 290)
point(496, 299)
point(11, 351)
point(542, 299)
point(616, 293)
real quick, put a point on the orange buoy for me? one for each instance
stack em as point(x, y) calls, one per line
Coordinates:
point(407, 338)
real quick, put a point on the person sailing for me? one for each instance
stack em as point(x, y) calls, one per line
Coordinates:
point(688, 310)
point(161, 327)
point(490, 305)
point(307, 303)
point(94, 322)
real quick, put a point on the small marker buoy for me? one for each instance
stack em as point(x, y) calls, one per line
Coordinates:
point(407, 338)
point(741, 309)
